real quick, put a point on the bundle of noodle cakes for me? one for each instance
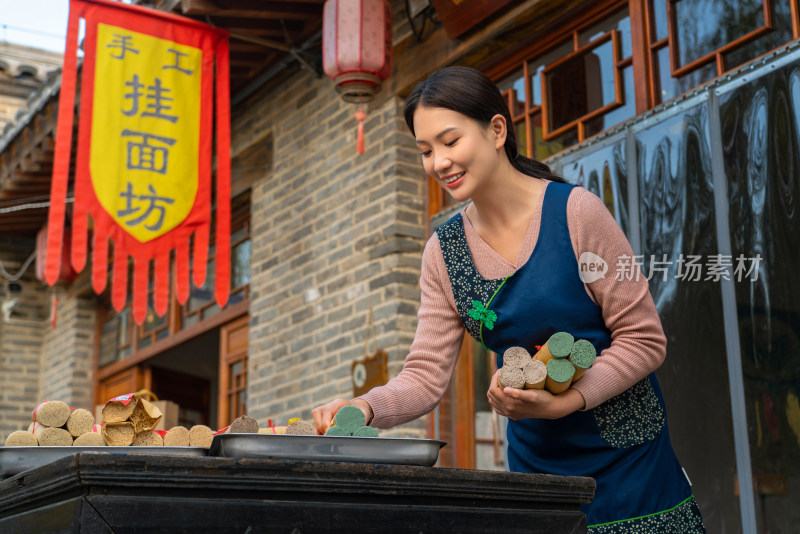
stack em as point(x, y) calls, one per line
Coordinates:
point(55, 424)
point(557, 365)
point(131, 420)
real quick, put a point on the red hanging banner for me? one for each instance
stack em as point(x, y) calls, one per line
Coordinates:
point(143, 170)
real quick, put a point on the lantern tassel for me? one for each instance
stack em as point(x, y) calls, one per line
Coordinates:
point(54, 311)
point(360, 117)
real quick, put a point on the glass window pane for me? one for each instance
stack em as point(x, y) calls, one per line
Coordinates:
point(677, 220)
point(761, 144)
point(670, 87)
point(190, 320)
point(240, 258)
point(515, 82)
point(152, 321)
point(109, 341)
point(537, 66)
point(620, 21)
point(211, 310)
point(780, 35)
point(236, 297)
point(703, 26)
point(544, 149)
point(620, 114)
point(124, 327)
point(658, 10)
point(236, 369)
point(573, 85)
point(200, 296)
point(239, 234)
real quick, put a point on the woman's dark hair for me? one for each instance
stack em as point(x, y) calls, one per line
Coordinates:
point(469, 92)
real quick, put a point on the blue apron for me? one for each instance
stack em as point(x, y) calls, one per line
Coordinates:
point(623, 443)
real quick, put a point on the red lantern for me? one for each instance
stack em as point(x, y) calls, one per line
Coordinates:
point(357, 50)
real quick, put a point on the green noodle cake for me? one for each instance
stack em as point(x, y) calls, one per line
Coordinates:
point(366, 432)
point(349, 418)
point(337, 431)
point(560, 344)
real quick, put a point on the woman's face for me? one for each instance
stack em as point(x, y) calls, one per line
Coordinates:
point(457, 151)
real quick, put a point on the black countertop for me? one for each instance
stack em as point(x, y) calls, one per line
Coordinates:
point(101, 492)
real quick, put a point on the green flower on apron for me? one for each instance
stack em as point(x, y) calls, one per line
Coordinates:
point(480, 313)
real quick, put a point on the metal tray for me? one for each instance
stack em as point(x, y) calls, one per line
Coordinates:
point(402, 451)
point(14, 460)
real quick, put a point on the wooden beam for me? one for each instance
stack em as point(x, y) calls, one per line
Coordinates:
point(15, 218)
point(237, 46)
point(253, 32)
point(263, 43)
point(253, 9)
point(250, 24)
point(22, 230)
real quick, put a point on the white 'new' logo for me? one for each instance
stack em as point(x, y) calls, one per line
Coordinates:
point(591, 267)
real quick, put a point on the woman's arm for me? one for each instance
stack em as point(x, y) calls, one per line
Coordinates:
point(420, 385)
point(638, 345)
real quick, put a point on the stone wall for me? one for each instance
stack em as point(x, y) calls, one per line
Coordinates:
point(335, 233)
point(39, 362)
point(20, 338)
point(68, 352)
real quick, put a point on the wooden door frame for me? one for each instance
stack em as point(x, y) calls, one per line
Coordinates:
point(462, 407)
point(226, 357)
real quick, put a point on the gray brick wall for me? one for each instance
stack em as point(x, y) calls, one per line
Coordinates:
point(38, 362)
point(334, 233)
point(20, 339)
point(68, 352)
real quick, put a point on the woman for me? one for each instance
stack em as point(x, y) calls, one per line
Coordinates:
point(515, 248)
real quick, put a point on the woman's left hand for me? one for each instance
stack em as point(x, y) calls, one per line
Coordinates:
point(532, 403)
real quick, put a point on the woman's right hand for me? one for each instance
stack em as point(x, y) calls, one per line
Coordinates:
point(323, 415)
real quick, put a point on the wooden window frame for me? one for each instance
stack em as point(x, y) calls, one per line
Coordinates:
point(717, 55)
point(240, 219)
point(229, 356)
point(643, 58)
point(578, 123)
point(570, 34)
point(651, 47)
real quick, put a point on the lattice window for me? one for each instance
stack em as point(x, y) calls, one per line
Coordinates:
point(693, 41)
point(581, 85)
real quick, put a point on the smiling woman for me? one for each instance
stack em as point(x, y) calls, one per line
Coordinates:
point(506, 270)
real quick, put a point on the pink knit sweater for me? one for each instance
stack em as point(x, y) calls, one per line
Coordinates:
point(638, 344)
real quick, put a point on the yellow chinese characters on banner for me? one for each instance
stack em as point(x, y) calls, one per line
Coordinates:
point(145, 129)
